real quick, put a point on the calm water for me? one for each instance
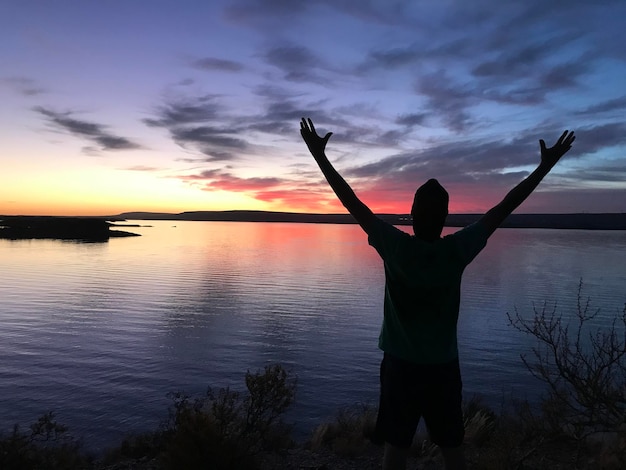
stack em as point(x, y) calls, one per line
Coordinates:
point(100, 333)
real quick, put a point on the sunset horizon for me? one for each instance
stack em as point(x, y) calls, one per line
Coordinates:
point(115, 106)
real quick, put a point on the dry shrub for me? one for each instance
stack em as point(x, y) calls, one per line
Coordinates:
point(47, 445)
point(347, 435)
point(228, 430)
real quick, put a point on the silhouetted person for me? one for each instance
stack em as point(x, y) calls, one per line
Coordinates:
point(419, 373)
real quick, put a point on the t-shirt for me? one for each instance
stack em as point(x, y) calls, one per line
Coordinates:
point(423, 290)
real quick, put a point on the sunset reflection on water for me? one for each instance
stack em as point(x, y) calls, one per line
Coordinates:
point(100, 333)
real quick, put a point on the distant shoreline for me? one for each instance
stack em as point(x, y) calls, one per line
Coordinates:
point(98, 228)
point(609, 221)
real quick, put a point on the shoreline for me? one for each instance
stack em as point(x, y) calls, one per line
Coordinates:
point(98, 229)
point(584, 221)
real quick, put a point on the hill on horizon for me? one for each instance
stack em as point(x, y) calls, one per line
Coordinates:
point(608, 221)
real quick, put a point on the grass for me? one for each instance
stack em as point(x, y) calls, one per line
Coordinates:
point(211, 432)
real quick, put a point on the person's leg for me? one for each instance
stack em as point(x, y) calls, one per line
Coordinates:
point(444, 416)
point(398, 412)
point(453, 458)
point(394, 457)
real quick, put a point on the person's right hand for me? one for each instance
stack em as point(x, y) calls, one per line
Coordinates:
point(314, 142)
point(550, 156)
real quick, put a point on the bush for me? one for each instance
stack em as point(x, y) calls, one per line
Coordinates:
point(46, 446)
point(225, 430)
point(349, 434)
point(584, 369)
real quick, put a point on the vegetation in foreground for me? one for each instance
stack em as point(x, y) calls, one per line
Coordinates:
point(581, 423)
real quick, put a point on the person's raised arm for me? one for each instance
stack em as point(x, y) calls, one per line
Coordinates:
point(317, 145)
point(549, 157)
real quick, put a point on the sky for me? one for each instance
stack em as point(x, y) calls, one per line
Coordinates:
point(170, 106)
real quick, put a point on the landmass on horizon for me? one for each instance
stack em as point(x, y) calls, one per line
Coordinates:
point(608, 221)
point(92, 229)
point(97, 228)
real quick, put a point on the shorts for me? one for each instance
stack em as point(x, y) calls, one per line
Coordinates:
point(411, 391)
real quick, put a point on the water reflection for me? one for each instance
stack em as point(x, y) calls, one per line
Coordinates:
point(101, 333)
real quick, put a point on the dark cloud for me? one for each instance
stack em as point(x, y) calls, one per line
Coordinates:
point(522, 94)
point(274, 92)
point(447, 99)
point(414, 119)
point(492, 167)
point(203, 125)
point(213, 63)
point(453, 101)
point(93, 132)
point(563, 75)
point(297, 63)
point(392, 58)
point(607, 173)
point(218, 179)
point(208, 135)
point(529, 61)
point(25, 86)
point(280, 111)
point(617, 104)
point(466, 62)
point(215, 143)
point(509, 55)
point(280, 117)
point(264, 13)
point(396, 13)
point(590, 140)
point(270, 14)
point(201, 109)
point(577, 200)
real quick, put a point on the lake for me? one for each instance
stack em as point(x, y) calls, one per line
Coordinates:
point(99, 333)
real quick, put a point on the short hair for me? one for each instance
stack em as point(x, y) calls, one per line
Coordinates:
point(431, 198)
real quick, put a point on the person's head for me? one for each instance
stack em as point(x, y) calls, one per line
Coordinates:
point(429, 211)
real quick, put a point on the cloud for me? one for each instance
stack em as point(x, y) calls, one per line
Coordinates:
point(458, 161)
point(297, 63)
point(509, 56)
point(472, 72)
point(93, 132)
point(593, 139)
point(577, 201)
point(448, 99)
point(564, 75)
point(392, 57)
point(264, 13)
point(177, 113)
point(220, 180)
point(201, 124)
point(25, 86)
point(512, 56)
point(209, 136)
point(216, 64)
point(280, 116)
point(606, 173)
point(141, 168)
point(301, 199)
point(413, 119)
point(277, 191)
point(616, 104)
point(220, 133)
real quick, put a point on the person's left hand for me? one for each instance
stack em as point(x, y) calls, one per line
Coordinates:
point(314, 142)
